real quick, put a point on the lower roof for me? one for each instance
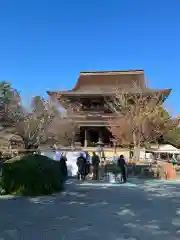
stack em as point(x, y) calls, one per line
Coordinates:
point(101, 92)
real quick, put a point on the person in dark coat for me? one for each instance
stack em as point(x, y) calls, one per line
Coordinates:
point(87, 163)
point(81, 164)
point(95, 165)
point(122, 165)
point(63, 166)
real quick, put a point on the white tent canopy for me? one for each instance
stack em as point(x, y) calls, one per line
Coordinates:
point(167, 148)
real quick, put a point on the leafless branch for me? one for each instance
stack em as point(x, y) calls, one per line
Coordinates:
point(139, 116)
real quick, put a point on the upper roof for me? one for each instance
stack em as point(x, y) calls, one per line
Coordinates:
point(110, 78)
point(104, 83)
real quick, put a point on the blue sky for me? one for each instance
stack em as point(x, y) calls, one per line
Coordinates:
point(44, 44)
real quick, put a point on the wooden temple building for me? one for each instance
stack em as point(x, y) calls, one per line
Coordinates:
point(90, 90)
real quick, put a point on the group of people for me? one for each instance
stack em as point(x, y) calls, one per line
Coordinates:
point(91, 166)
point(166, 168)
point(84, 165)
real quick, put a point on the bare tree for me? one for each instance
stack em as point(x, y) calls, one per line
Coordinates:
point(64, 130)
point(139, 117)
point(44, 120)
point(31, 124)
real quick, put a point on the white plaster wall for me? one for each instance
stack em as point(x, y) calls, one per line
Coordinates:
point(71, 160)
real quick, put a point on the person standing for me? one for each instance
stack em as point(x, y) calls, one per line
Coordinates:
point(57, 155)
point(122, 165)
point(102, 173)
point(173, 160)
point(81, 164)
point(63, 166)
point(170, 173)
point(87, 163)
point(95, 165)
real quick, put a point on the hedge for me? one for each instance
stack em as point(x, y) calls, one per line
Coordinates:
point(31, 175)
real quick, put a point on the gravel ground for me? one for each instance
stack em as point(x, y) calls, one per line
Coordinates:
point(138, 210)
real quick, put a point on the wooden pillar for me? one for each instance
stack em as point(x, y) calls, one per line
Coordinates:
point(85, 138)
point(100, 137)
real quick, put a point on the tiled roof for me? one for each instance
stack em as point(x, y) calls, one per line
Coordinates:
point(105, 82)
point(98, 79)
point(107, 92)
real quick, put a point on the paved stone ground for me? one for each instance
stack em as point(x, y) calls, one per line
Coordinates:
point(141, 210)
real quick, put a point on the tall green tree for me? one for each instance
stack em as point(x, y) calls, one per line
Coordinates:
point(173, 136)
point(9, 101)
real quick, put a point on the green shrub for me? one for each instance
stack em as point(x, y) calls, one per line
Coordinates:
point(31, 175)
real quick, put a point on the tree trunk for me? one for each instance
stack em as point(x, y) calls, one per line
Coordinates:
point(72, 145)
point(136, 154)
point(115, 146)
point(73, 141)
point(29, 147)
point(137, 150)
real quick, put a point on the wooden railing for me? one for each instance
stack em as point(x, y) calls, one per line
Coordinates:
point(95, 115)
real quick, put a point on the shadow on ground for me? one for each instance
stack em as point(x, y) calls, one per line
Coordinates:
point(140, 210)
